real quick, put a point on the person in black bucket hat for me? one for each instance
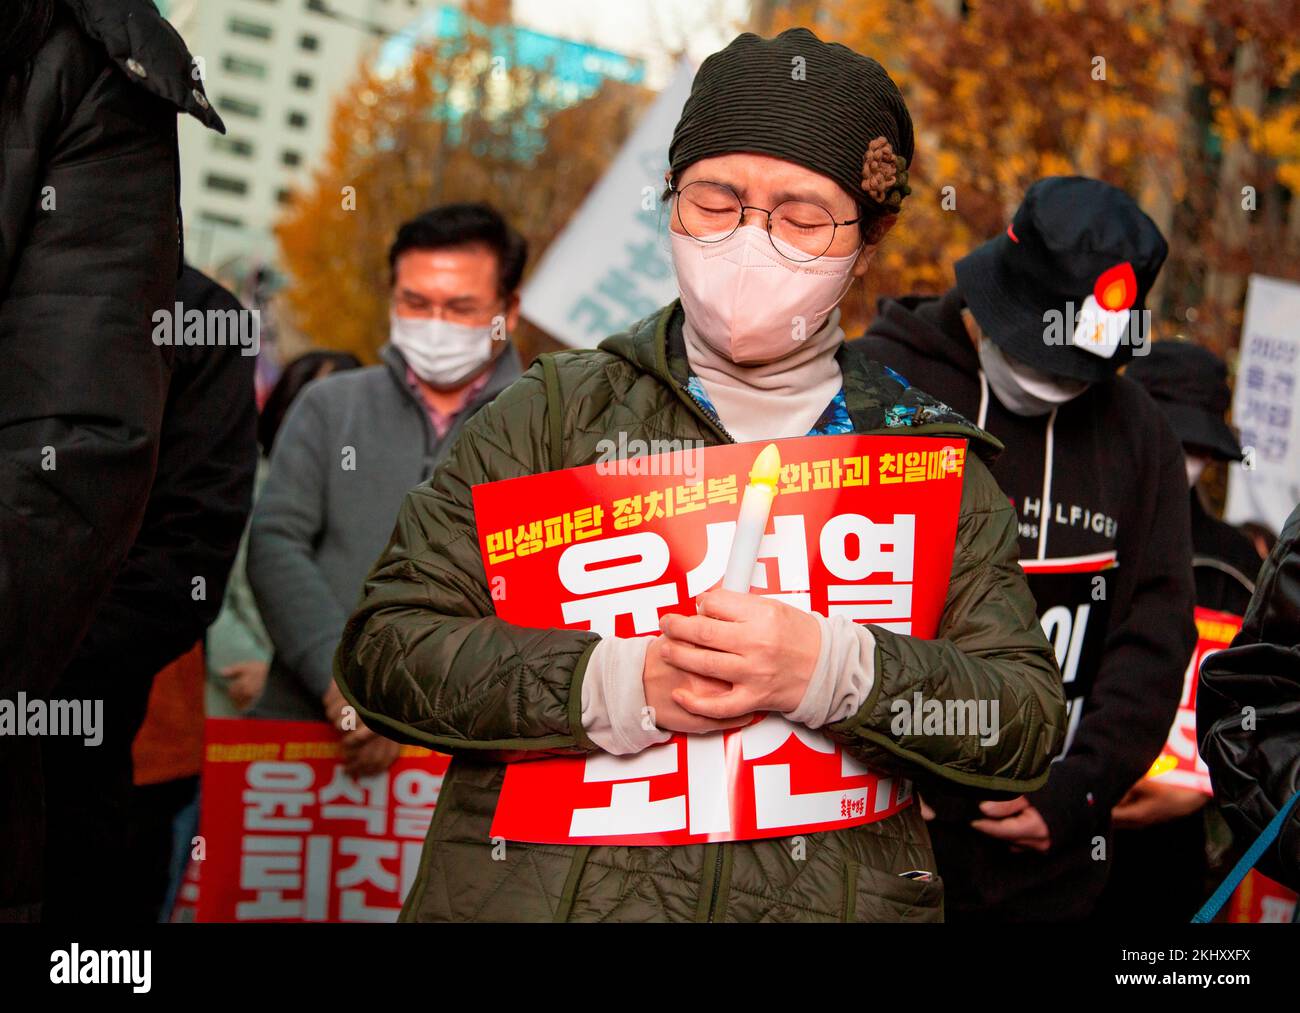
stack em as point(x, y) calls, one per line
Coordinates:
point(1160, 865)
point(1029, 344)
point(1078, 250)
point(1190, 384)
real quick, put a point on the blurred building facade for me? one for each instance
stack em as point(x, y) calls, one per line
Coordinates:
point(273, 69)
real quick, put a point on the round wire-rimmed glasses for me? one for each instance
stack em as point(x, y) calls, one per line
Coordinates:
point(711, 212)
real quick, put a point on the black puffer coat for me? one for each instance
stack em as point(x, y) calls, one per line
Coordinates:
point(1255, 764)
point(89, 249)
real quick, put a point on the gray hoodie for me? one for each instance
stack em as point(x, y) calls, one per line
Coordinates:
point(351, 447)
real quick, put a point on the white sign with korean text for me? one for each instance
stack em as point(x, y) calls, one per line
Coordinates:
point(610, 267)
point(1266, 407)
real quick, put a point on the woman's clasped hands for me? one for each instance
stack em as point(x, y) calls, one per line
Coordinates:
point(738, 655)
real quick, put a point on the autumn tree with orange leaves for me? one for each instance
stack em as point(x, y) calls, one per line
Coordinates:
point(1191, 106)
point(462, 121)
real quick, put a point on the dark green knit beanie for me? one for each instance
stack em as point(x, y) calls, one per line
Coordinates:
point(818, 104)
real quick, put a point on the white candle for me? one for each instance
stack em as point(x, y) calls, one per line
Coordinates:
point(754, 510)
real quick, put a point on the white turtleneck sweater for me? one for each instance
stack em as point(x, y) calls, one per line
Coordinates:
point(771, 400)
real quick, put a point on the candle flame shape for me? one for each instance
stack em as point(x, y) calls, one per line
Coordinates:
point(1116, 288)
point(767, 466)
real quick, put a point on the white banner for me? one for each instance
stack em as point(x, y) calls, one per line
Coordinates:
point(1265, 406)
point(609, 267)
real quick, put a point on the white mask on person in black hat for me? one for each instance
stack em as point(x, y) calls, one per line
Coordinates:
point(1021, 389)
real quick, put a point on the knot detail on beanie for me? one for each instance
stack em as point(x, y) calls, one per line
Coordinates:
point(884, 174)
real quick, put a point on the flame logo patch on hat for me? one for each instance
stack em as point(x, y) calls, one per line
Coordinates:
point(1104, 318)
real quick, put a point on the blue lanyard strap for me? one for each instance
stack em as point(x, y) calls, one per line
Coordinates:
point(1248, 860)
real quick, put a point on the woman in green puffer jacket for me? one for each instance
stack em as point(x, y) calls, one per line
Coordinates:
point(788, 166)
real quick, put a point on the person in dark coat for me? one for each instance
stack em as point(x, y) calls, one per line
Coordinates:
point(1029, 344)
point(163, 599)
point(1248, 712)
point(1159, 869)
point(89, 248)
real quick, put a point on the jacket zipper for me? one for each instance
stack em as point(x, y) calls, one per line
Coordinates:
point(717, 883)
point(708, 414)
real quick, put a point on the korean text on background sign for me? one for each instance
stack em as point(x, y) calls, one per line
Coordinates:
point(290, 837)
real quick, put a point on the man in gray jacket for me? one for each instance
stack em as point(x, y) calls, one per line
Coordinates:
point(355, 442)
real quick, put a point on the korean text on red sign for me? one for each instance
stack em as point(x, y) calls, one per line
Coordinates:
point(862, 526)
point(288, 836)
point(1180, 763)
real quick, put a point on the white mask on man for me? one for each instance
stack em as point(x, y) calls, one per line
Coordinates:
point(441, 353)
point(1020, 388)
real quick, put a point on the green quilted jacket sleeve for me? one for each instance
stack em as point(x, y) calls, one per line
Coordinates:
point(990, 647)
point(424, 658)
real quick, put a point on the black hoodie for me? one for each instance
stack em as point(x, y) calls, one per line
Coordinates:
point(1252, 764)
point(1226, 562)
point(1115, 593)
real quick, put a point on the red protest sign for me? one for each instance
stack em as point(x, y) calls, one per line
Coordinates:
point(861, 526)
point(1260, 900)
point(288, 836)
point(1180, 763)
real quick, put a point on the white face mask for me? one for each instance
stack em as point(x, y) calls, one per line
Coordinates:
point(1021, 389)
point(1195, 466)
point(442, 354)
point(747, 301)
